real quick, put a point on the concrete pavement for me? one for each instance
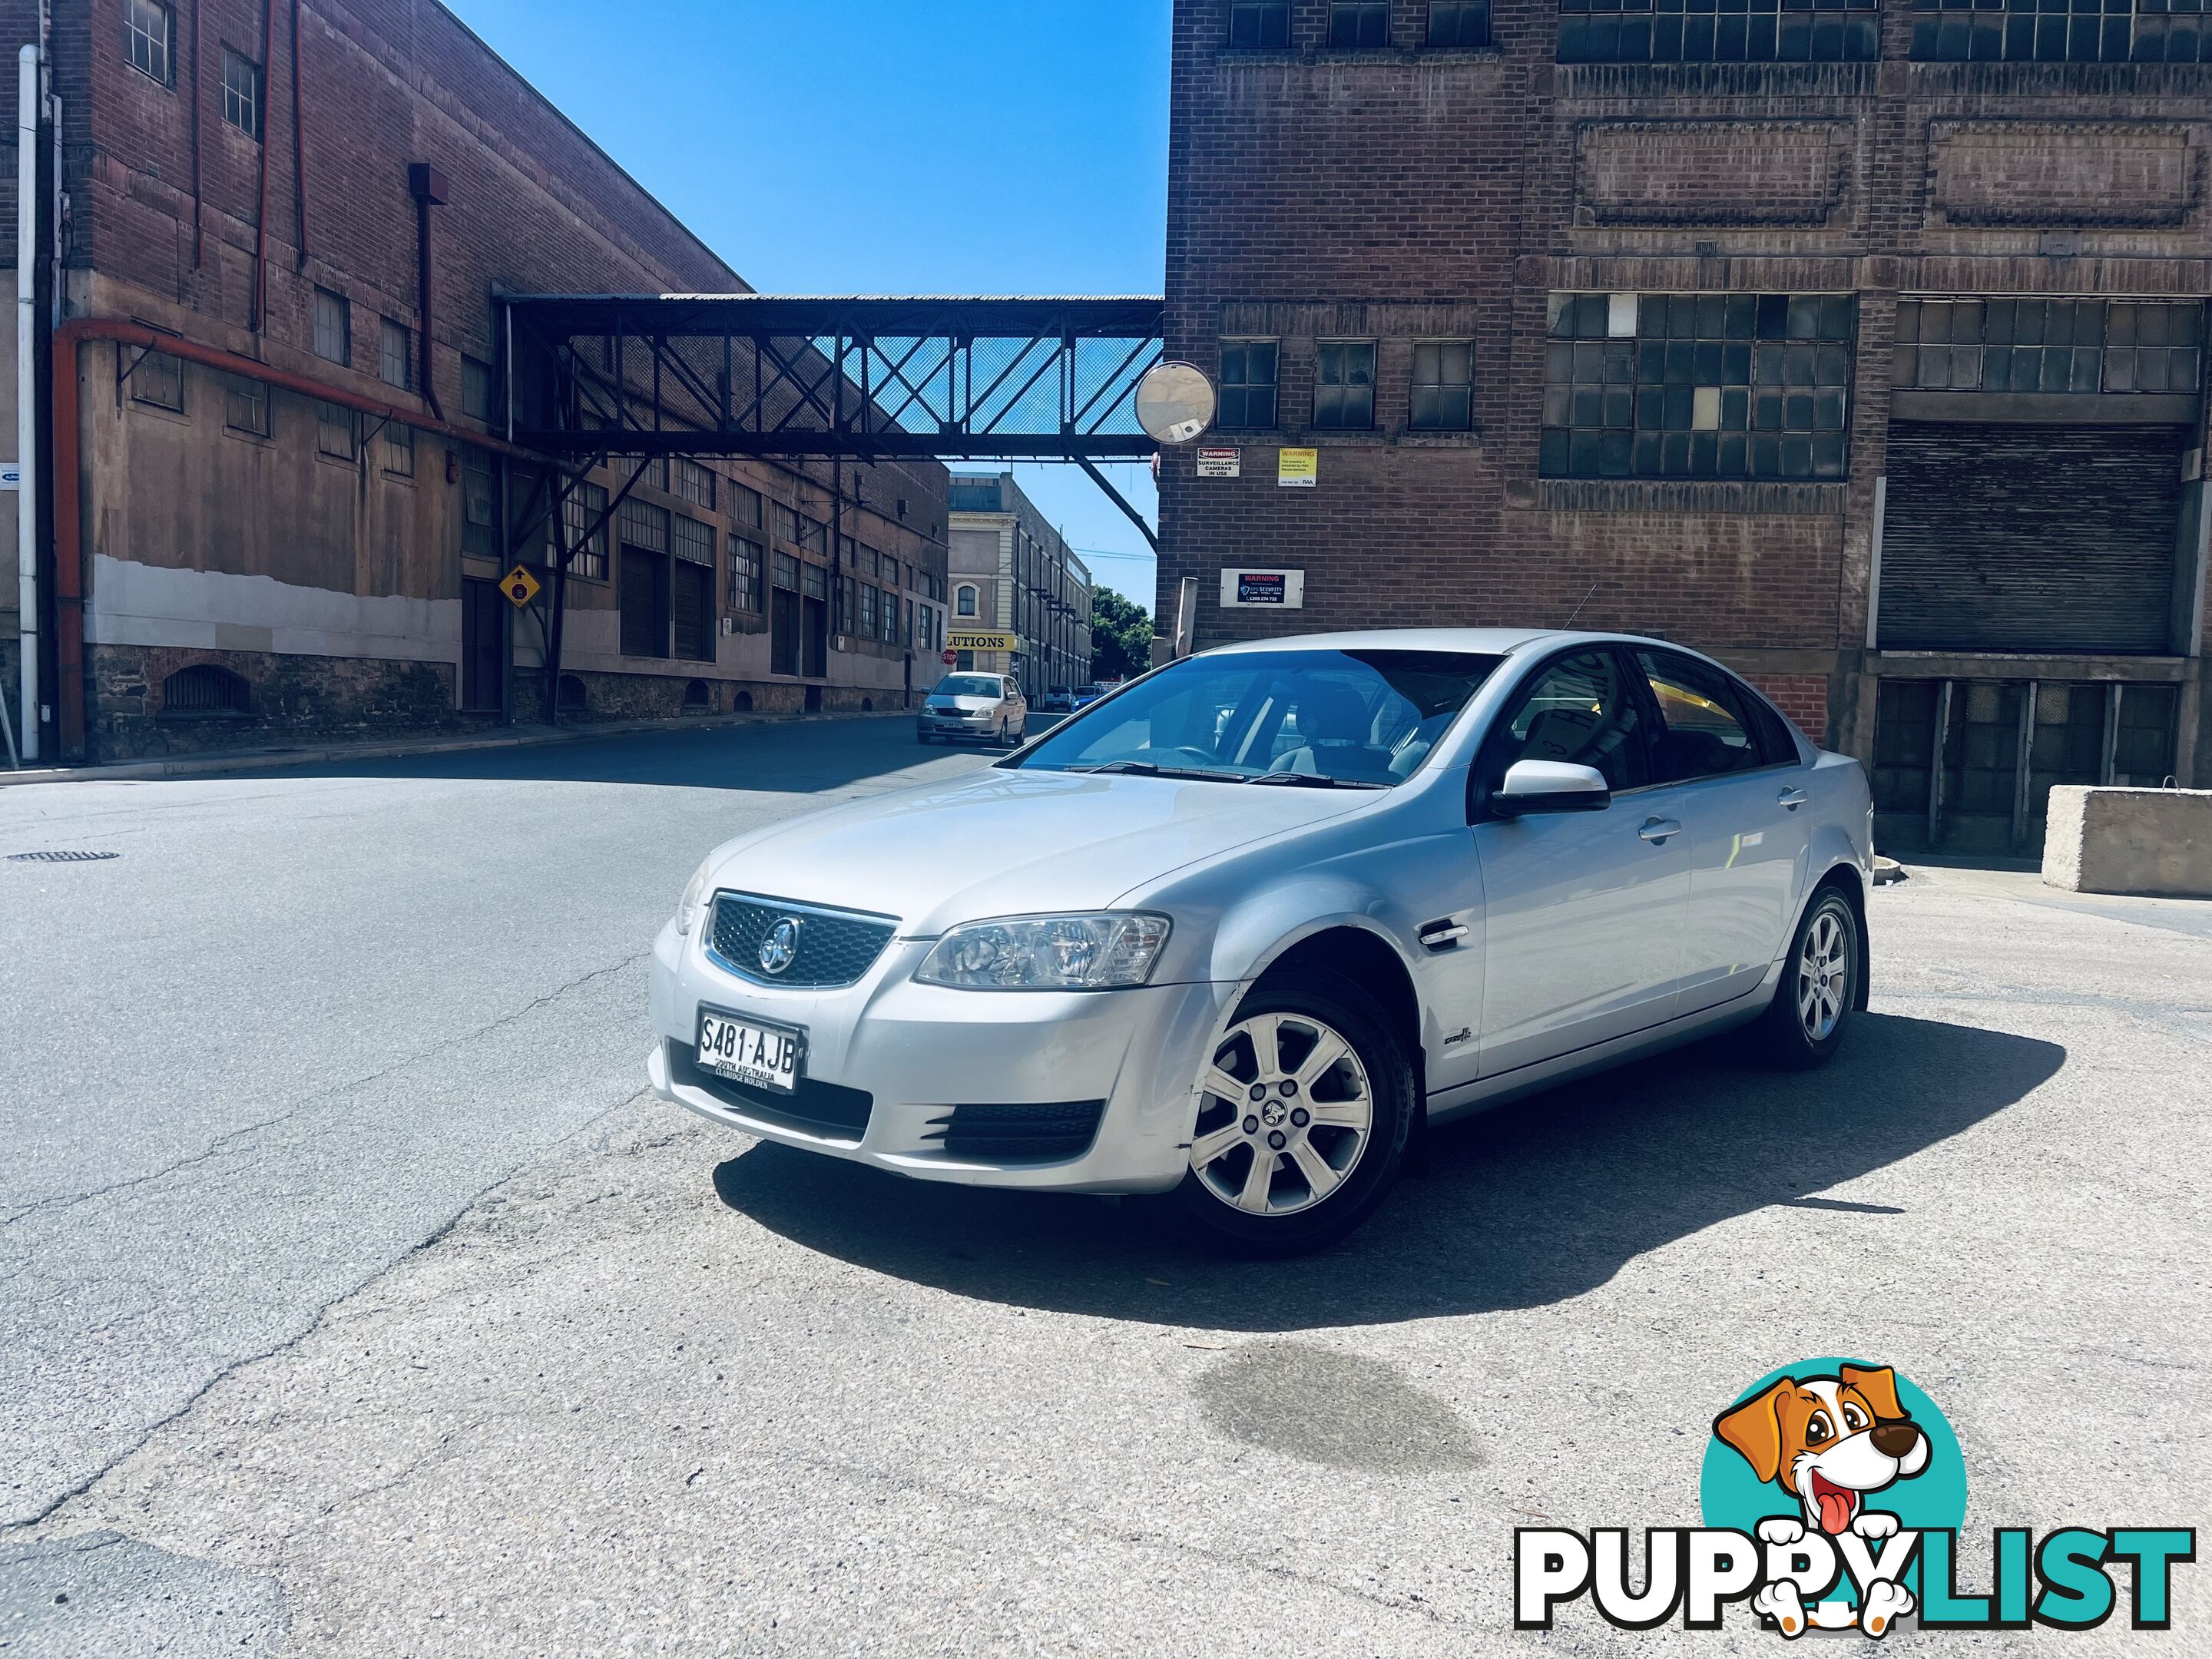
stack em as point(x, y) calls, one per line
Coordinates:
point(477, 1353)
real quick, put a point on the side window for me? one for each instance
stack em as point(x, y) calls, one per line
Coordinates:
point(1580, 709)
point(1704, 728)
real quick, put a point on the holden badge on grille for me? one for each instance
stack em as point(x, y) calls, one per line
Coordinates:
point(780, 949)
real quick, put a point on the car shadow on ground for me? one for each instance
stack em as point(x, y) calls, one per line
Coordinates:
point(1537, 1202)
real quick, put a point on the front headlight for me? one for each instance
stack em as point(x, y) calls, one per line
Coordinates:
point(1093, 952)
point(695, 893)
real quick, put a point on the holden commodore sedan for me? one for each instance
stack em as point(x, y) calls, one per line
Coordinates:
point(1245, 925)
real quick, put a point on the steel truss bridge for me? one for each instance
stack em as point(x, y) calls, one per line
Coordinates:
point(863, 379)
point(599, 377)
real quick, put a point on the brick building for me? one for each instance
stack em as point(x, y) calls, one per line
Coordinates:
point(1859, 345)
point(1013, 572)
point(278, 481)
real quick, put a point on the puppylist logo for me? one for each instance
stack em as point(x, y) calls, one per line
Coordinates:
point(1832, 1496)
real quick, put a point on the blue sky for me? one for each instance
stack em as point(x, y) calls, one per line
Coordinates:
point(866, 146)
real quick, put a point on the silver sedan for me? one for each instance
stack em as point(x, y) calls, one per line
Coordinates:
point(1244, 925)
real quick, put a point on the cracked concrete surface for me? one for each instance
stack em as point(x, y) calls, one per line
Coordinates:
point(302, 1021)
point(664, 1388)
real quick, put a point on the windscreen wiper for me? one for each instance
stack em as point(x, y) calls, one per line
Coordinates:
point(1151, 769)
point(1314, 781)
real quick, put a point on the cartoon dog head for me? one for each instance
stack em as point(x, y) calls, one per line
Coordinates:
point(1828, 1441)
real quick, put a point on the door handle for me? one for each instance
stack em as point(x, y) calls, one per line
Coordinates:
point(1792, 798)
point(1655, 831)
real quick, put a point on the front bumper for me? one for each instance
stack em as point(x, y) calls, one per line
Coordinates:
point(919, 1051)
point(955, 725)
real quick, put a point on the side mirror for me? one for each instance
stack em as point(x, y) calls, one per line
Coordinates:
point(1535, 786)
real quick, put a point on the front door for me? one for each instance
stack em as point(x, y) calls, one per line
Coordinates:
point(1740, 795)
point(644, 600)
point(483, 636)
point(1581, 911)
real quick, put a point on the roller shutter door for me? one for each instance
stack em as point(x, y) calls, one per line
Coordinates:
point(2030, 538)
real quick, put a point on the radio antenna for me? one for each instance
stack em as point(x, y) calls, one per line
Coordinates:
point(1577, 610)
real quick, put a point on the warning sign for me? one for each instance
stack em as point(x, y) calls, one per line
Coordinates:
point(1297, 469)
point(1220, 463)
point(520, 586)
point(959, 640)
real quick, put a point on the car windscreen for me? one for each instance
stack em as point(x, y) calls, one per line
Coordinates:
point(970, 685)
point(1365, 718)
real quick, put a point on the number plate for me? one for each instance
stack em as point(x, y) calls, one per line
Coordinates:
point(749, 1050)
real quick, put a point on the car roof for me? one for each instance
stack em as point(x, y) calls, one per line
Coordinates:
point(1488, 641)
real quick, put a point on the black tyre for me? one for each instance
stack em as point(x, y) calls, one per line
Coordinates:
point(1804, 1025)
point(1304, 1113)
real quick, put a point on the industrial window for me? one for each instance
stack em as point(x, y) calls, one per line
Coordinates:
point(1344, 385)
point(872, 600)
point(746, 561)
point(586, 509)
point(1247, 384)
point(2062, 31)
point(1459, 23)
point(1359, 23)
point(246, 406)
point(813, 536)
point(963, 600)
point(476, 389)
point(148, 29)
point(241, 93)
point(643, 525)
point(694, 541)
point(479, 505)
point(1719, 31)
point(338, 434)
point(694, 482)
point(399, 448)
point(333, 327)
point(2050, 345)
point(1257, 24)
point(787, 573)
point(746, 507)
point(395, 353)
point(158, 379)
point(891, 633)
point(1443, 386)
point(787, 523)
point(1697, 386)
point(814, 581)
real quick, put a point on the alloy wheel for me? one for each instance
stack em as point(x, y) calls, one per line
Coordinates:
point(1285, 1115)
point(1823, 974)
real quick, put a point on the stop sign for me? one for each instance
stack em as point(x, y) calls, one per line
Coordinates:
point(950, 657)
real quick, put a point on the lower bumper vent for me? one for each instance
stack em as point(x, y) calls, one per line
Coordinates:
point(827, 1109)
point(1050, 1133)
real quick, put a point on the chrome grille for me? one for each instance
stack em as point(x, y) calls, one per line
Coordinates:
point(831, 947)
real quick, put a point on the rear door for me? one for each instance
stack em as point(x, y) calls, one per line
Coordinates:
point(1728, 770)
point(1581, 911)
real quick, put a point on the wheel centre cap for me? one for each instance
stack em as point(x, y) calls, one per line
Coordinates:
point(1273, 1113)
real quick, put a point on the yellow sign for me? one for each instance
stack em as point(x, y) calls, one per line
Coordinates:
point(956, 640)
point(519, 586)
point(1297, 469)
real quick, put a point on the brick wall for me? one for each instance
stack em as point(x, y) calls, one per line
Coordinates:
point(1402, 193)
point(168, 225)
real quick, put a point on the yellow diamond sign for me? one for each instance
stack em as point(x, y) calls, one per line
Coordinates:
point(519, 586)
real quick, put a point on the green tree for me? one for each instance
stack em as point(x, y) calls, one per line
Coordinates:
point(1120, 636)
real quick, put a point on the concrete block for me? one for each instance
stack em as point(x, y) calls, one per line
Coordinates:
point(2151, 841)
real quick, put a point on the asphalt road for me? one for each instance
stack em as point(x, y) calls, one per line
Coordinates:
point(358, 1304)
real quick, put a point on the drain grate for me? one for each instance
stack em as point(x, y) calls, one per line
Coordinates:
point(60, 858)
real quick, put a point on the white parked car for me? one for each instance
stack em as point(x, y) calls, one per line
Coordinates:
point(1249, 922)
point(968, 705)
